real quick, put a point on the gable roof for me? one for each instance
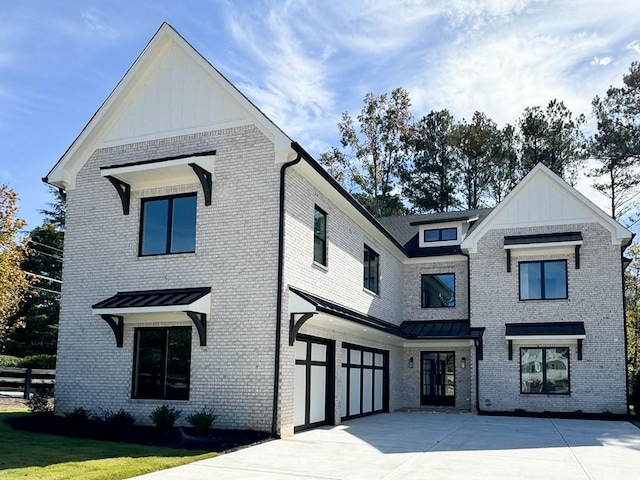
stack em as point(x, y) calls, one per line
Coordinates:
point(165, 46)
point(543, 198)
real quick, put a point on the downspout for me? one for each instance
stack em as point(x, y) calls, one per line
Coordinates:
point(476, 353)
point(276, 376)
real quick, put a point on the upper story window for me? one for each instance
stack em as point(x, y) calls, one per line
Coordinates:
point(438, 290)
point(371, 269)
point(543, 280)
point(161, 363)
point(320, 236)
point(440, 234)
point(168, 225)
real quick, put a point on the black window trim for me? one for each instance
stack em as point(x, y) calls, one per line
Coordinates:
point(422, 296)
point(439, 230)
point(169, 222)
point(365, 279)
point(544, 370)
point(163, 360)
point(542, 292)
point(325, 262)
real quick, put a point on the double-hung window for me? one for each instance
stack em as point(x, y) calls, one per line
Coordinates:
point(168, 225)
point(320, 236)
point(543, 280)
point(161, 363)
point(371, 269)
point(438, 290)
point(544, 370)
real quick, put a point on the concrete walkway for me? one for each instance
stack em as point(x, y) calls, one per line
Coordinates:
point(435, 446)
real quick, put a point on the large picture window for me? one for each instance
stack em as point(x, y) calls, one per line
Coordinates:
point(168, 225)
point(320, 236)
point(371, 269)
point(544, 280)
point(161, 363)
point(544, 370)
point(438, 290)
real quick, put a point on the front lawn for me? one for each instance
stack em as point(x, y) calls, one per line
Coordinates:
point(47, 457)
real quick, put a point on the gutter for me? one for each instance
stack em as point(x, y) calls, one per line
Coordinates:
point(276, 376)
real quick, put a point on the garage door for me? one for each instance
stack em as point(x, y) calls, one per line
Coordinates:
point(314, 380)
point(365, 381)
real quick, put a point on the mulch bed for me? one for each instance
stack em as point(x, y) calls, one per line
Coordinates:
point(179, 437)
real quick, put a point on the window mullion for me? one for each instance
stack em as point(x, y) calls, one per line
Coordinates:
point(165, 360)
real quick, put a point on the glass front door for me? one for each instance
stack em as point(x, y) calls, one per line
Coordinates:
point(438, 378)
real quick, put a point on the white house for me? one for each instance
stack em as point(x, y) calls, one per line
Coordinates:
point(210, 261)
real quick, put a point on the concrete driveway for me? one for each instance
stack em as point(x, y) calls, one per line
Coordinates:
point(435, 446)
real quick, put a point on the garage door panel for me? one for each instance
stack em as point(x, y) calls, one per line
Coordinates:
point(364, 381)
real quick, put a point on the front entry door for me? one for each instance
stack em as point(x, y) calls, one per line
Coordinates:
point(438, 378)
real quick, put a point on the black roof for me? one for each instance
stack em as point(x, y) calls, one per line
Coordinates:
point(543, 238)
point(410, 330)
point(548, 328)
point(405, 229)
point(154, 298)
point(440, 329)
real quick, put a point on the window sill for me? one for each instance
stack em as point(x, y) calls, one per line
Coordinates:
point(167, 255)
point(436, 308)
point(154, 401)
point(526, 300)
point(320, 266)
point(373, 294)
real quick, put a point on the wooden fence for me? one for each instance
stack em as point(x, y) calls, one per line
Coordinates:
point(26, 380)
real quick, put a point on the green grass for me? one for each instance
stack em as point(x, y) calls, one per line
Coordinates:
point(49, 457)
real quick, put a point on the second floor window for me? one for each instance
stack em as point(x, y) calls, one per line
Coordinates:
point(544, 280)
point(440, 234)
point(438, 290)
point(320, 236)
point(168, 225)
point(371, 269)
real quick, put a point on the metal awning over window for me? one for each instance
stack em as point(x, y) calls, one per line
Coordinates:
point(194, 302)
point(548, 331)
point(444, 329)
point(162, 172)
point(544, 240)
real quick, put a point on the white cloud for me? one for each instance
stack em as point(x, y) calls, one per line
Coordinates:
point(635, 46)
point(601, 61)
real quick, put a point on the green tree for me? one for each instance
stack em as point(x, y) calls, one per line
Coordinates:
point(616, 144)
point(375, 149)
point(14, 283)
point(505, 165)
point(430, 177)
point(632, 312)
point(553, 137)
point(32, 329)
point(476, 144)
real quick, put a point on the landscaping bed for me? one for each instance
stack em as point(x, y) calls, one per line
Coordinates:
point(217, 440)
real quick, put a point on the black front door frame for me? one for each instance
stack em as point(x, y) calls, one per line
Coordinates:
point(437, 379)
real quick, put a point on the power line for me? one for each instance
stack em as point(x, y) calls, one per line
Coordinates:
point(44, 278)
point(49, 254)
point(45, 245)
point(44, 289)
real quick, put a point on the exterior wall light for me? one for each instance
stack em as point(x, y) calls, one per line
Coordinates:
point(463, 362)
point(410, 362)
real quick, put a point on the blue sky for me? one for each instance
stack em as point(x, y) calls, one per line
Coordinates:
point(304, 62)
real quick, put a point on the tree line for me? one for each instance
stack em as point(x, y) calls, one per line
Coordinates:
point(394, 164)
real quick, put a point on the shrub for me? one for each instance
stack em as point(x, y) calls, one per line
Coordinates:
point(120, 420)
point(635, 396)
point(202, 420)
point(39, 401)
point(38, 361)
point(79, 415)
point(165, 416)
point(9, 361)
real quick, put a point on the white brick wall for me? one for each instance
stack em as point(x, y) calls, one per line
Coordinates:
point(236, 254)
point(595, 298)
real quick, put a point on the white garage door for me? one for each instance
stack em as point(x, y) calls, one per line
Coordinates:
point(365, 379)
point(313, 392)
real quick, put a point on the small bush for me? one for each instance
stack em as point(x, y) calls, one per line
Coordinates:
point(164, 416)
point(39, 401)
point(38, 361)
point(79, 415)
point(202, 420)
point(519, 411)
point(120, 420)
point(9, 361)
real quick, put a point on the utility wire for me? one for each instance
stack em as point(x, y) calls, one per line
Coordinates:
point(45, 289)
point(45, 245)
point(49, 254)
point(43, 277)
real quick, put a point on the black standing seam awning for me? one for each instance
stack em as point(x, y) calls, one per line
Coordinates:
point(183, 300)
point(410, 330)
point(547, 331)
point(543, 238)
